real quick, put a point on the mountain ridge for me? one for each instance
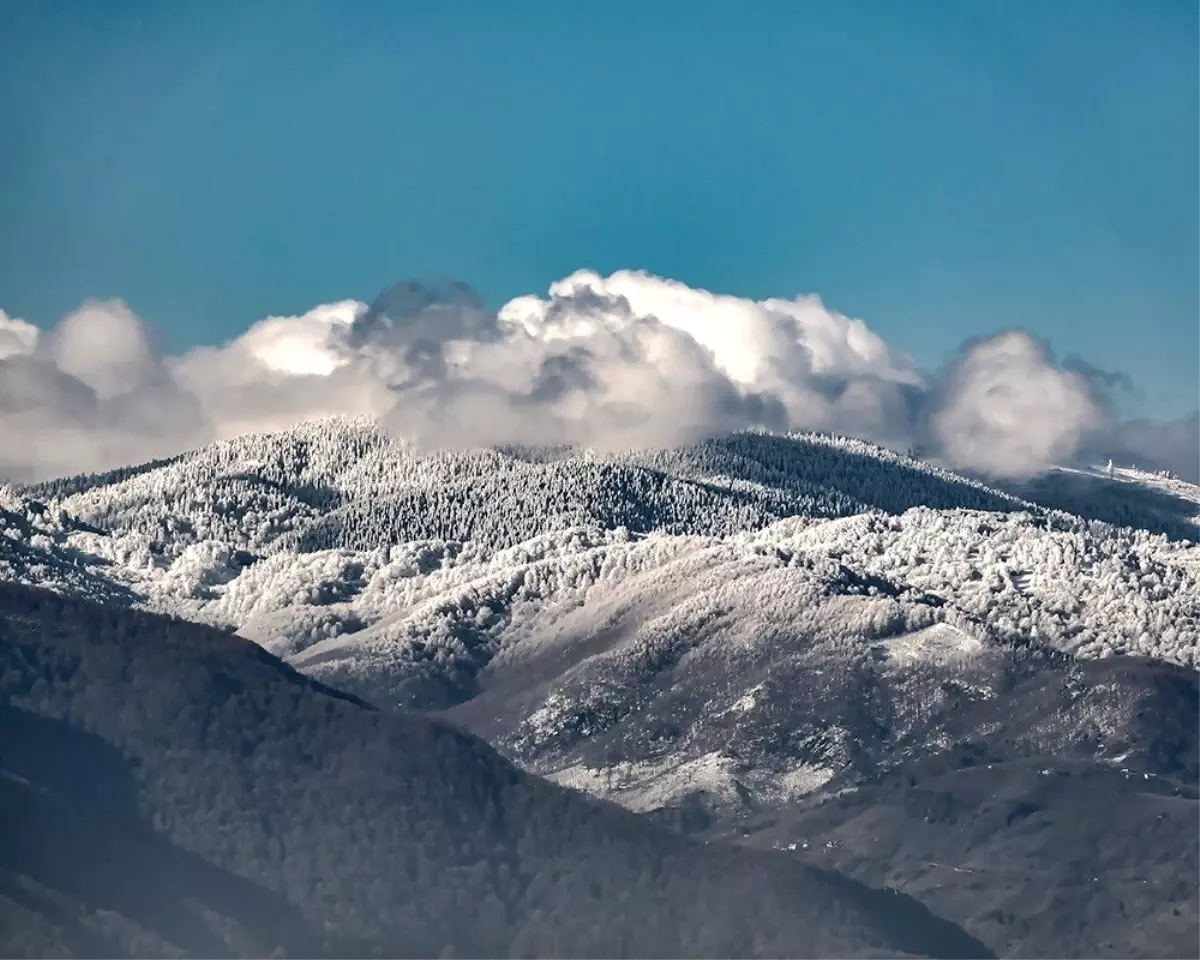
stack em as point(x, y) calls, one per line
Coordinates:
point(727, 637)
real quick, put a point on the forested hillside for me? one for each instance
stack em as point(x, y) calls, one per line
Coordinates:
point(169, 789)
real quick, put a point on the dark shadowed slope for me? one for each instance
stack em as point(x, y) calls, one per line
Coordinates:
point(1039, 857)
point(82, 873)
point(169, 788)
point(1063, 821)
point(1130, 497)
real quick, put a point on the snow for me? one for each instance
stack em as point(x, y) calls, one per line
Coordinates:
point(1156, 501)
point(722, 782)
point(351, 554)
point(939, 643)
point(1147, 479)
point(704, 589)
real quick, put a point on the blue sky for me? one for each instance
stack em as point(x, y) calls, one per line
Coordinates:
point(941, 170)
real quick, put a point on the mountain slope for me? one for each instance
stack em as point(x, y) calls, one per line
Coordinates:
point(333, 528)
point(1060, 818)
point(375, 833)
point(727, 637)
point(83, 874)
point(1158, 502)
point(346, 484)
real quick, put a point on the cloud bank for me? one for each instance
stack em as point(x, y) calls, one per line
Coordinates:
point(620, 361)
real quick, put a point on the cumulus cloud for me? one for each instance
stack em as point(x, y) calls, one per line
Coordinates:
point(632, 359)
point(619, 361)
point(16, 336)
point(90, 394)
point(281, 371)
point(1005, 408)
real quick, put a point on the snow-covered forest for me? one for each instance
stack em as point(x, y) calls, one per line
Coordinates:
point(748, 619)
point(333, 543)
point(751, 620)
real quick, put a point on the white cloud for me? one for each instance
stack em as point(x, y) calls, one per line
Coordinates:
point(304, 345)
point(104, 346)
point(624, 360)
point(1008, 410)
point(281, 371)
point(90, 394)
point(16, 336)
point(633, 359)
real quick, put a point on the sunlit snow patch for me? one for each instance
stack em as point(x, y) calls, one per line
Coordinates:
point(940, 643)
point(723, 781)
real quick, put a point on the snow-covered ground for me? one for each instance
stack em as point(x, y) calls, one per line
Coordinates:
point(571, 587)
point(720, 782)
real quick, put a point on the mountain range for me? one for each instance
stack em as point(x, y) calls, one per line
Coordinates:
point(900, 677)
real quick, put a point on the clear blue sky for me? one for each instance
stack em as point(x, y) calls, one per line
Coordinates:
point(941, 170)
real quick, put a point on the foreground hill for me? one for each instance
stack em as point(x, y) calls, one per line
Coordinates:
point(169, 789)
point(1039, 856)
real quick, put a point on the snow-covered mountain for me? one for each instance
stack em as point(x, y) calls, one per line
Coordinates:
point(419, 578)
point(716, 633)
